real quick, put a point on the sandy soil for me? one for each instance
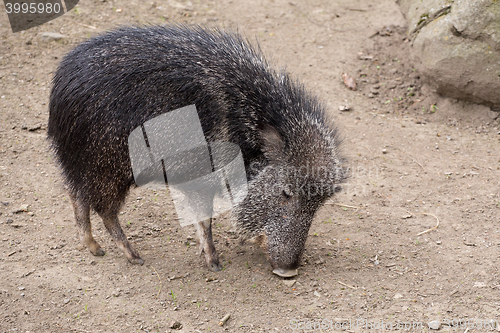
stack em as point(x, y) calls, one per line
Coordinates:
point(416, 159)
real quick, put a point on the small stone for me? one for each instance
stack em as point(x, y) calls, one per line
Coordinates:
point(53, 36)
point(34, 128)
point(116, 293)
point(438, 242)
point(21, 288)
point(398, 296)
point(406, 216)
point(175, 325)
point(391, 85)
point(9, 221)
point(66, 300)
point(316, 294)
point(480, 284)
point(289, 283)
point(384, 151)
point(434, 325)
point(344, 108)
point(370, 95)
point(22, 208)
point(5, 203)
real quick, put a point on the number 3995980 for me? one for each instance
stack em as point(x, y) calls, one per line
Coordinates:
point(32, 8)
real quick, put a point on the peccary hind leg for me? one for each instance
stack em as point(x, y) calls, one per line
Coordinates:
point(207, 247)
point(110, 219)
point(82, 217)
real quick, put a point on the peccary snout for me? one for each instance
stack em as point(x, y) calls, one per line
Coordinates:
point(286, 194)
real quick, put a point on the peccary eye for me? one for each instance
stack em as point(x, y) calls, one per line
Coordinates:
point(287, 193)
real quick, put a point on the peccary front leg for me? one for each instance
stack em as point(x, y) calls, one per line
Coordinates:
point(110, 219)
point(82, 217)
point(207, 247)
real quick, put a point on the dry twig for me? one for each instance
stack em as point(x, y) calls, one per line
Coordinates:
point(311, 20)
point(342, 205)
point(86, 26)
point(433, 228)
point(224, 319)
point(342, 283)
point(412, 159)
point(161, 283)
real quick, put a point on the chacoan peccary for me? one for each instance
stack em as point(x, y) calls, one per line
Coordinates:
point(111, 84)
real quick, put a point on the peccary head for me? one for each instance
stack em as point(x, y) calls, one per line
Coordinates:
point(303, 170)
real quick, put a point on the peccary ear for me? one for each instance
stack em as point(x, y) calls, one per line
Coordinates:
point(273, 144)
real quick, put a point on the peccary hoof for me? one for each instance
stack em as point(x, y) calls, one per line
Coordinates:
point(136, 261)
point(285, 272)
point(99, 252)
point(214, 267)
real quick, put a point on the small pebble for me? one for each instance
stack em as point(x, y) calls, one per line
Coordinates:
point(289, 283)
point(9, 221)
point(52, 36)
point(22, 208)
point(384, 151)
point(398, 296)
point(66, 300)
point(175, 325)
point(391, 85)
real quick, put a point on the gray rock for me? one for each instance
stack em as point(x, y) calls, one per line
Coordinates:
point(456, 47)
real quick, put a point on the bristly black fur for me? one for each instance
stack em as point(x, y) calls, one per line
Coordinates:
point(113, 83)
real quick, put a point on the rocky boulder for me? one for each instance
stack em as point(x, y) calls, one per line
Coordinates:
point(456, 46)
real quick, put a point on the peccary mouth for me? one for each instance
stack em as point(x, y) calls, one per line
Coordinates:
point(285, 272)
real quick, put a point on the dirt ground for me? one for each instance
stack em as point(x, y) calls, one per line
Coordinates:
point(416, 159)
